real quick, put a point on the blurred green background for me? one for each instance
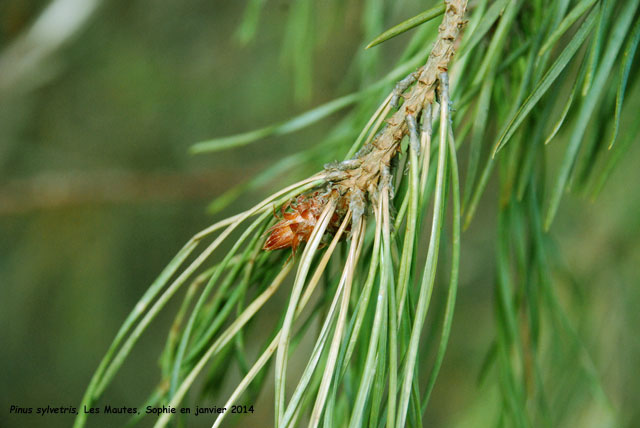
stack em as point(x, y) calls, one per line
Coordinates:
point(98, 191)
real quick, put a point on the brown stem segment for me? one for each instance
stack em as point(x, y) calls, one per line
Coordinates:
point(356, 182)
point(373, 162)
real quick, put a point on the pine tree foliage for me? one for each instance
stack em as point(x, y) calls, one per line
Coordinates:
point(485, 91)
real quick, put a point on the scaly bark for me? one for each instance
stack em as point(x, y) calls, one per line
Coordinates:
point(360, 177)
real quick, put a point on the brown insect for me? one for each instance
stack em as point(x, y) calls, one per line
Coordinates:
point(296, 225)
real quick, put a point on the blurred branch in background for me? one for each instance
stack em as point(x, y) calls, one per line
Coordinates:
point(22, 63)
point(58, 190)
